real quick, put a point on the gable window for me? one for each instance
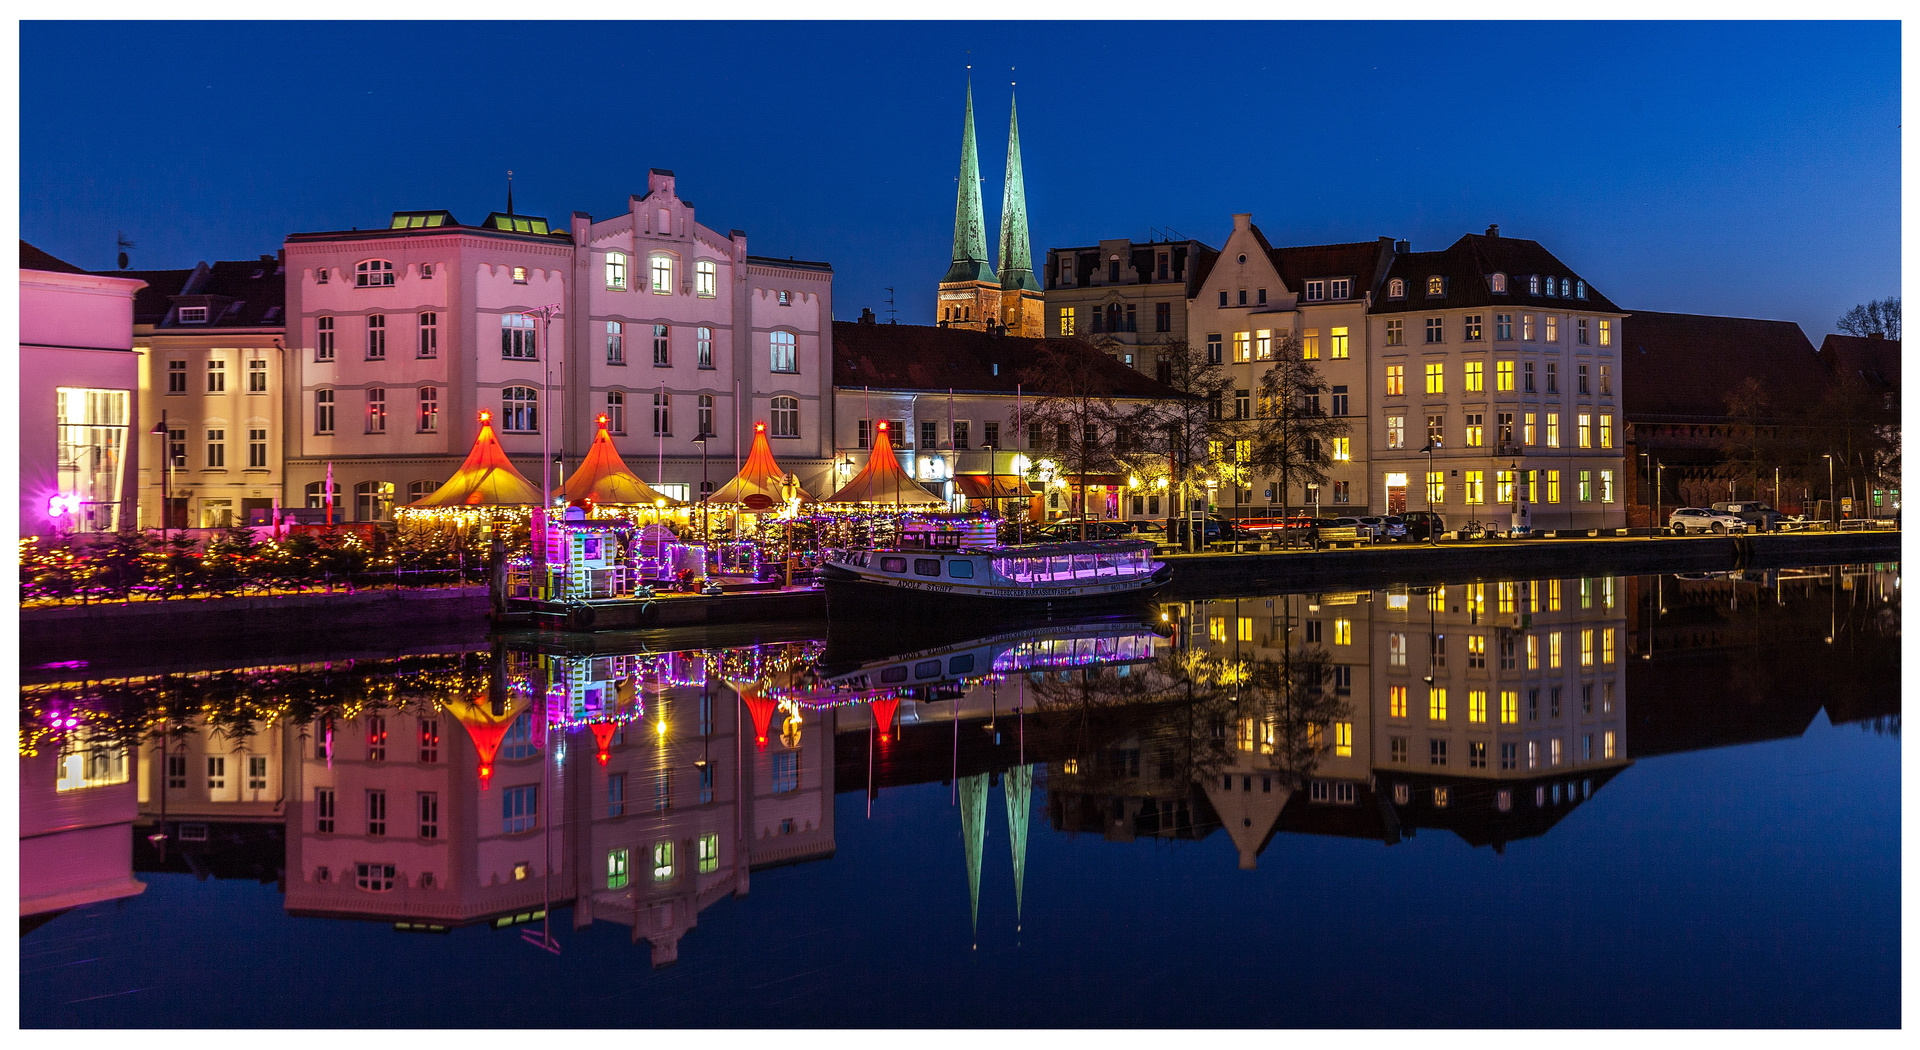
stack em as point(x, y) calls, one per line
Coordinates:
point(376, 410)
point(1436, 285)
point(429, 335)
point(376, 337)
point(703, 347)
point(1397, 332)
point(662, 269)
point(616, 343)
point(519, 410)
point(426, 271)
point(217, 376)
point(1340, 289)
point(617, 271)
point(1316, 291)
point(323, 339)
point(1396, 289)
point(373, 273)
point(706, 279)
point(786, 297)
point(517, 338)
point(1436, 329)
point(616, 412)
point(783, 356)
point(323, 411)
point(786, 420)
point(429, 417)
point(193, 315)
point(1579, 289)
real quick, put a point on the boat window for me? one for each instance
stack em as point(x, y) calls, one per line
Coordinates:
point(1060, 564)
point(894, 674)
point(962, 664)
point(926, 566)
point(960, 569)
point(893, 564)
point(927, 669)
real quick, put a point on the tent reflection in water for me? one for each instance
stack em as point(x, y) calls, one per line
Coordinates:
point(882, 481)
point(604, 482)
point(485, 489)
point(487, 722)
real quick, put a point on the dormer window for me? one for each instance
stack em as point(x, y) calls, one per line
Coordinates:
point(1565, 291)
point(1499, 283)
point(373, 273)
point(426, 271)
point(1113, 269)
point(1396, 289)
point(193, 315)
point(1533, 285)
point(1066, 270)
point(1549, 287)
point(1436, 285)
point(321, 275)
point(1341, 288)
point(617, 271)
point(519, 275)
point(1579, 289)
point(1316, 291)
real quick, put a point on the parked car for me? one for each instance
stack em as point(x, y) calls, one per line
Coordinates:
point(1362, 526)
point(1422, 524)
point(1753, 512)
point(1385, 528)
point(1216, 530)
point(1703, 519)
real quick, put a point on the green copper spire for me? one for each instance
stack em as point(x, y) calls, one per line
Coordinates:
point(1016, 246)
point(973, 828)
point(969, 227)
point(1018, 784)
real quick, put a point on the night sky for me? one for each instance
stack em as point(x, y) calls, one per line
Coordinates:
point(1749, 169)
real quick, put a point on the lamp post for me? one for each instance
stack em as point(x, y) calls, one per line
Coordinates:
point(1833, 506)
point(1431, 540)
point(166, 476)
point(1659, 475)
point(545, 315)
point(705, 486)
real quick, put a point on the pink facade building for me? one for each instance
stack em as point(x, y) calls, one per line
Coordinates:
point(398, 337)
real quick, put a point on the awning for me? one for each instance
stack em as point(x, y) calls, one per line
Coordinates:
point(1112, 481)
point(993, 486)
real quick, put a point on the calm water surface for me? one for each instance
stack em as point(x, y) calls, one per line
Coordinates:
point(1614, 801)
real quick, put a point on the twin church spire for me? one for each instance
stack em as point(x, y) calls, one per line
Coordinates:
point(972, 295)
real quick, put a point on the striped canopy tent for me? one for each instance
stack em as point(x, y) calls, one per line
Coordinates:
point(603, 478)
point(486, 479)
point(761, 476)
point(486, 728)
point(883, 480)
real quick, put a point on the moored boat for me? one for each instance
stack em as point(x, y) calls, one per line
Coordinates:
point(1018, 579)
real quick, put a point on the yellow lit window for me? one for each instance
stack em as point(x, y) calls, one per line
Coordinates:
point(1217, 628)
point(1503, 377)
point(1343, 632)
point(1263, 344)
point(1243, 346)
point(1477, 598)
point(1553, 430)
point(1476, 486)
point(1396, 701)
point(1509, 706)
point(1436, 378)
point(1533, 653)
point(1606, 333)
point(1437, 600)
point(1396, 380)
point(1553, 595)
point(1586, 647)
point(1477, 651)
point(1246, 734)
point(1246, 629)
point(1476, 429)
point(1436, 486)
point(1243, 450)
point(1066, 320)
point(85, 763)
point(1476, 705)
point(1555, 749)
point(1476, 379)
point(1504, 595)
point(1503, 486)
point(1343, 739)
point(1437, 703)
point(1606, 646)
point(1606, 591)
point(1606, 430)
point(1553, 650)
point(1337, 344)
point(1584, 424)
point(1310, 345)
point(1606, 742)
point(1553, 486)
point(1527, 432)
point(1316, 737)
point(1342, 448)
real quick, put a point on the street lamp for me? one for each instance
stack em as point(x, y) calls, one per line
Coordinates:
point(166, 477)
point(1833, 506)
point(1431, 540)
point(705, 485)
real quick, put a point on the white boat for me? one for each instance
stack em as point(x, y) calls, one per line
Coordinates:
point(993, 579)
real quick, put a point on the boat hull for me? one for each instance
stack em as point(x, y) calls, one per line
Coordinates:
point(852, 597)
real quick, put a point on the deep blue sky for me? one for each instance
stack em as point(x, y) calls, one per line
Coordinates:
point(1749, 169)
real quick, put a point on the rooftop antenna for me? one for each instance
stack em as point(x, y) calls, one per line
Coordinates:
point(509, 191)
point(120, 239)
point(893, 315)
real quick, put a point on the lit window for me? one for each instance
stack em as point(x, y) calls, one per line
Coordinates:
point(1436, 487)
point(373, 273)
point(617, 281)
point(1245, 629)
point(1499, 283)
point(519, 275)
point(1342, 449)
point(709, 853)
point(782, 349)
point(706, 279)
point(1476, 377)
point(1066, 320)
point(662, 861)
point(1436, 286)
point(1471, 328)
point(1396, 380)
point(1476, 705)
point(1606, 744)
point(88, 762)
point(1437, 703)
point(1509, 708)
point(1586, 486)
point(1553, 328)
point(1396, 289)
point(617, 869)
point(1533, 285)
point(1338, 344)
point(1343, 739)
point(1606, 651)
point(1436, 378)
point(1243, 346)
point(703, 349)
point(1606, 333)
point(1503, 377)
point(662, 268)
point(785, 417)
point(1606, 431)
point(1553, 430)
point(1526, 327)
point(1553, 650)
point(1343, 632)
point(1396, 432)
point(1263, 345)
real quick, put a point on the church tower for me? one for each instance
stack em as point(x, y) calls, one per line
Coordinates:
point(969, 295)
point(1021, 301)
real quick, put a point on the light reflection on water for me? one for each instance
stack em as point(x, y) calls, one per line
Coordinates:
point(1125, 779)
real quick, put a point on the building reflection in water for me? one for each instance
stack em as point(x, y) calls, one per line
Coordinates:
point(639, 787)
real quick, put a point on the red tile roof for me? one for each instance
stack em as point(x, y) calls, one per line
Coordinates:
point(1875, 360)
point(1681, 366)
point(1466, 266)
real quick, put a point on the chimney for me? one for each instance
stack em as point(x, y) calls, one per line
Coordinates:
point(1493, 230)
point(1402, 247)
point(866, 315)
point(1242, 222)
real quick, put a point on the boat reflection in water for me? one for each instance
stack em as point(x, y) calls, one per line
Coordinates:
point(638, 785)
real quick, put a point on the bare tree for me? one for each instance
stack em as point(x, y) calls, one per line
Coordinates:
point(1875, 317)
point(1179, 431)
point(1075, 406)
point(1291, 435)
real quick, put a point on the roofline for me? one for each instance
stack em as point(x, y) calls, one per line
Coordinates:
point(792, 264)
point(863, 388)
point(428, 231)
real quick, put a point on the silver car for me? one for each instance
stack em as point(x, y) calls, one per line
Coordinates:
point(1702, 519)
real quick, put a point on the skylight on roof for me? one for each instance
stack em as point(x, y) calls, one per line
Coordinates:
point(414, 220)
point(519, 223)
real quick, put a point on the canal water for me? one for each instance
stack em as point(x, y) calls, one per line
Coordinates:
point(1607, 801)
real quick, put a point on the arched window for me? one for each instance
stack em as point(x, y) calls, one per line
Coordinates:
point(786, 297)
point(786, 417)
point(1580, 289)
point(616, 344)
point(519, 410)
point(1565, 291)
point(1396, 289)
point(662, 269)
point(1436, 285)
point(617, 271)
point(1533, 285)
point(662, 414)
point(419, 490)
point(376, 410)
point(706, 279)
point(323, 411)
point(373, 501)
point(429, 409)
point(784, 359)
point(516, 337)
point(317, 499)
point(373, 273)
point(616, 412)
point(706, 416)
point(1499, 282)
point(703, 344)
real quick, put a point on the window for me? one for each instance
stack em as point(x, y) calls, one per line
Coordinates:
point(374, 273)
point(707, 767)
point(323, 411)
point(616, 794)
point(1583, 425)
point(1397, 332)
point(429, 335)
point(706, 414)
point(1243, 346)
point(1476, 698)
point(177, 376)
point(1553, 329)
point(1163, 317)
point(1606, 333)
point(1396, 289)
point(1436, 329)
point(1243, 297)
point(1581, 380)
point(786, 772)
point(1316, 291)
point(516, 337)
point(429, 807)
point(1606, 744)
point(429, 417)
point(662, 414)
point(706, 279)
point(781, 345)
point(1553, 747)
point(1474, 487)
point(1213, 349)
point(322, 276)
point(373, 501)
point(519, 808)
point(1338, 344)
point(1553, 430)
point(376, 337)
point(1526, 328)
point(1503, 377)
point(1476, 377)
point(1397, 752)
point(1341, 403)
point(256, 448)
point(1342, 449)
point(1586, 486)
point(707, 849)
point(519, 410)
point(1436, 487)
point(616, 343)
point(1436, 286)
point(662, 269)
point(1343, 739)
point(1553, 486)
point(1436, 378)
point(617, 869)
point(216, 449)
point(376, 410)
point(322, 344)
point(1223, 298)
point(1606, 486)
point(992, 434)
point(662, 346)
point(617, 271)
point(1437, 756)
point(1396, 431)
point(662, 861)
point(1471, 328)
point(216, 376)
point(1580, 331)
point(616, 412)
point(374, 878)
point(703, 347)
point(786, 421)
point(1263, 344)
point(322, 800)
point(376, 812)
point(1553, 377)
point(662, 790)
point(1476, 429)
point(1437, 703)
point(1396, 380)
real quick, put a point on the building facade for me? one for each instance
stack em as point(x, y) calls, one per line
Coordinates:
point(1131, 297)
point(666, 326)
